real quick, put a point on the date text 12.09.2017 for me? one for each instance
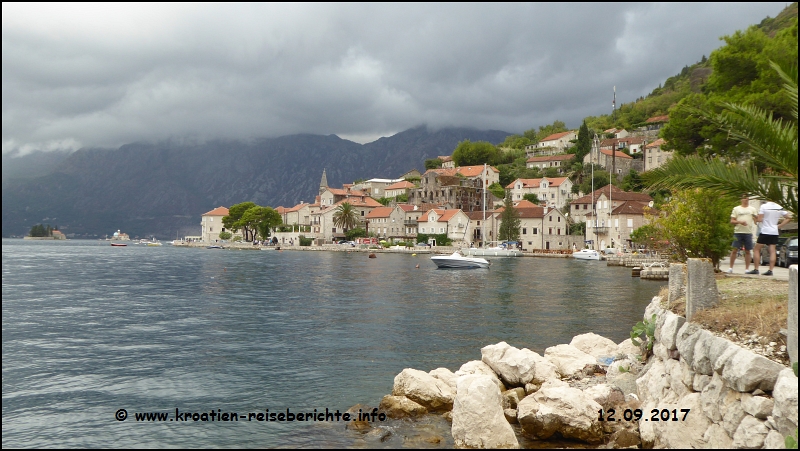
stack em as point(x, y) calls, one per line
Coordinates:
point(636, 415)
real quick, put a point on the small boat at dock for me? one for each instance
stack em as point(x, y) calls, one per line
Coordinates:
point(586, 254)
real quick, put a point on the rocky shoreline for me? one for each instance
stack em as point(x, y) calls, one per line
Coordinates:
point(697, 390)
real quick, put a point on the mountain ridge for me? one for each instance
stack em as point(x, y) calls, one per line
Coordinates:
point(162, 188)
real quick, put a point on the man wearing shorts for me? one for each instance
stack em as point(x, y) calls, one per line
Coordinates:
point(743, 217)
point(768, 215)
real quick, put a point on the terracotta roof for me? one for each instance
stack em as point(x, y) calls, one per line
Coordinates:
point(401, 185)
point(535, 183)
point(655, 119)
point(346, 192)
point(380, 212)
point(619, 154)
point(633, 208)
point(478, 215)
point(525, 204)
point(615, 194)
point(551, 158)
point(526, 183)
point(406, 207)
point(466, 171)
point(295, 208)
point(531, 213)
point(656, 143)
point(442, 215)
point(219, 211)
point(555, 136)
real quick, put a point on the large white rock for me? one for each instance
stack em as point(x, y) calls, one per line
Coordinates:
point(568, 359)
point(517, 367)
point(784, 412)
point(478, 419)
point(478, 367)
point(424, 389)
point(595, 345)
point(750, 433)
point(747, 371)
point(627, 350)
point(757, 406)
point(669, 330)
point(401, 407)
point(563, 410)
point(606, 395)
point(445, 375)
point(716, 438)
point(774, 440)
point(680, 434)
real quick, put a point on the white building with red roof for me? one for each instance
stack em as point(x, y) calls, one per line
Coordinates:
point(560, 140)
point(549, 161)
point(322, 224)
point(654, 155)
point(554, 192)
point(388, 223)
point(614, 215)
point(211, 225)
point(398, 189)
point(454, 223)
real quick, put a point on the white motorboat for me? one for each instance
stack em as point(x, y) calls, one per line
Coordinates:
point(586, 254)
point(459, 261)
point(492, 252)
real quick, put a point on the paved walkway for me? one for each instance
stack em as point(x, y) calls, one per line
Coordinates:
point(738, 269)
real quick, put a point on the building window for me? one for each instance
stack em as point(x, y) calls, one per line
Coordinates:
point(210, 229)
point(423, 229)
point(559, 219)
point(524, 230)
point(535, 231)
point(550, 231)
point(630, 222)
point(551, 219)
point(585, 207)
point(333, 230)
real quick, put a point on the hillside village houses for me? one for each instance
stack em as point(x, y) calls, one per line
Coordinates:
point(398, 189)
point(553, 191)
point(450, 199)
point(549, 161)
point(654, 156)
point(616, 214)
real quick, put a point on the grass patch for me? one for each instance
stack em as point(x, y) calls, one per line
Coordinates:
point(747, 306)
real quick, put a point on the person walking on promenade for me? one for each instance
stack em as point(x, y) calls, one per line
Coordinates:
point(768, 215)
point(743, 217)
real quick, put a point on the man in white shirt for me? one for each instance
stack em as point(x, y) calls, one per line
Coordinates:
point(768, 215)
point(743, 217)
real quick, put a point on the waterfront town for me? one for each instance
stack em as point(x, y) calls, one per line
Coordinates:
point(456, 201)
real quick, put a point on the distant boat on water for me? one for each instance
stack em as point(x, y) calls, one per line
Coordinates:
point(118, 244)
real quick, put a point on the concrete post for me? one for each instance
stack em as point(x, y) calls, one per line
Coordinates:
point(701, 289)
point(791, 339)
point(677, 282)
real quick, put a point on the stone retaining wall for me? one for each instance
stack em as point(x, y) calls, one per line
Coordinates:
point(735, 397)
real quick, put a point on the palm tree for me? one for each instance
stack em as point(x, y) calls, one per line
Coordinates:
point(772, 144)
point(345, 216)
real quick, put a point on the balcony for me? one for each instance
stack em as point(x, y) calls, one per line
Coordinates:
point(410, 222)
point(599, 230)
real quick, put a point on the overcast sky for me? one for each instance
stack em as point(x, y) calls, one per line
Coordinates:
point(105, 75)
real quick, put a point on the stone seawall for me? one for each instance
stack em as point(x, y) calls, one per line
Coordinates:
point(713, 393)
point(736, 398)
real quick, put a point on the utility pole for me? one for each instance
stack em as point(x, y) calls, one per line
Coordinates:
point(613, 148)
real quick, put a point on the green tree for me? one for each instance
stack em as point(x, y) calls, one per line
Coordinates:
point(509, 227)
point(402, 198)
point(496, 189)
point(41, 231)
point(471, 154)
point(225, 235)
point(770, 174)
point(695, 224)
point(345, 216)
point(384, 201)
point(433, 163)
point(632, 182)
point(547, 130)
point(235, 213)
point(584, 144)
point(260, 220)
point(532, 198)
point(601, 179)
point(354, 233)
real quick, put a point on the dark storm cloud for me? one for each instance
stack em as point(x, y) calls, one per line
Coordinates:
point(85, 75)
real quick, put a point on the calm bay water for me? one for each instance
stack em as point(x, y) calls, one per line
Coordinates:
point(89, 329)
